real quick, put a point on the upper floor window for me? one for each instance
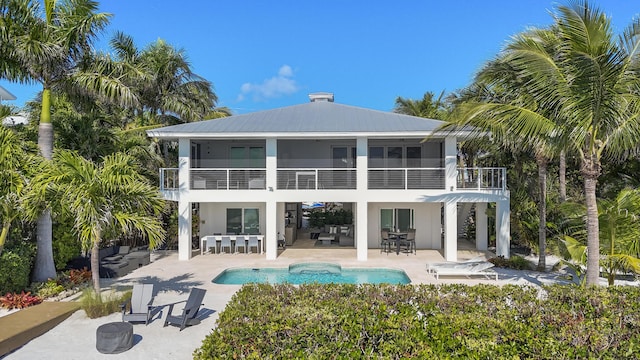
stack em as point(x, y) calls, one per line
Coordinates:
point(247, 157)
point(395, 156)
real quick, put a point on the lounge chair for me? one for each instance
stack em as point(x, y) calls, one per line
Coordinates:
point(189, 312)
point(139, 305)
point(464, 268)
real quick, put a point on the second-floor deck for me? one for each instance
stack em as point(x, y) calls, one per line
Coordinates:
point(490, 178)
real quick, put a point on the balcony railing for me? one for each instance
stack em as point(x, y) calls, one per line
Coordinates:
point(406, 178)
point(481, 179)
point(336, 178)
point(312, 179)
point(169, 179)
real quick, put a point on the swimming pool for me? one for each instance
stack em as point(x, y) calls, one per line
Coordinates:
point(304, 273)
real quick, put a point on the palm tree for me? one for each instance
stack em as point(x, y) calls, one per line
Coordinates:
point(619, 232)
point(104, 200)
point(46, 46)
point(427, 107)
point(13, 179)
point(590, 81)
point(167, 87)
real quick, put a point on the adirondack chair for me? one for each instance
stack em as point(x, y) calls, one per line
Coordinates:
point(139, 305)
point(189, 312)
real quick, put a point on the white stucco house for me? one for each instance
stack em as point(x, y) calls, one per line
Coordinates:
point(245, 170)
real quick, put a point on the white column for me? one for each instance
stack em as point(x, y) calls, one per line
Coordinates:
point(481, 226)
point(271, 153)
point(503, 228)
point(450, 230)
point(184, 230)
point(271, 230)
point(361, 230)
point(184, 207)
point(361, 163)
point(450, 163)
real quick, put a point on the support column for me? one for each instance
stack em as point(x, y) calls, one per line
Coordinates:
point(482, 238)
point(184, 230)
point(450, 163)
point(361, 163)
point(271, 152)
point(271, 230)
point(503, 228)
point(450, 230)
point(361, 230)
point(184, 207)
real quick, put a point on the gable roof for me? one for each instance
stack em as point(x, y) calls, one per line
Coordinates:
point(313, 119)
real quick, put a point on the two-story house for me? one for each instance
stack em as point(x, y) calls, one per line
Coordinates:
point(242, 170)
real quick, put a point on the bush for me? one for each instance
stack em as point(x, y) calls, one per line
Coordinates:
point(15, 266)
point(426, 321)
point(19, 301)
point(96, 305)
point(514, 262)
point(69, 281)
point(65, 245)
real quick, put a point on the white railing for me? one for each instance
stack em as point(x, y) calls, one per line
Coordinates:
point(489, 178)
point(313, 179)
point(406, 178)
point(336, 178)
point(228, 179)
point(169, 179)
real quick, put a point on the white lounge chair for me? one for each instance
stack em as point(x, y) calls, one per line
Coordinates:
point(465, 268)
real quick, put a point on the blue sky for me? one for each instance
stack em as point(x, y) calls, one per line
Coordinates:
point(267, 54)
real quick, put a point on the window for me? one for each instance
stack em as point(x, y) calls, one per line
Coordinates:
point(401, 219)
point(395, 156)
point(247, 156)
point(243, 221)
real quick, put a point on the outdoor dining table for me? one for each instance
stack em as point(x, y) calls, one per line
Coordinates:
point(213, 240)
point(398, 235)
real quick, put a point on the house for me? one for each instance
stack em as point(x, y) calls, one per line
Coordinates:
point(242, 172)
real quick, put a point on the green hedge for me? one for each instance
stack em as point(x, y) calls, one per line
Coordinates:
point(426, 321)
point(15, 266)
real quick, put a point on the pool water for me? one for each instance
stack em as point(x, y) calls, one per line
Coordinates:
point(312, 273)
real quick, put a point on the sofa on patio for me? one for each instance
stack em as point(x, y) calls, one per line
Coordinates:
point(342, 234)
point(117, 261)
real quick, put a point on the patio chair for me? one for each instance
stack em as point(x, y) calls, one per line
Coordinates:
point(408, 243)
point(139, 305)
point(189, 312)
point(386, 241)
point(253, 242)
point(225, 243)
point(464, 268)
point(241, 243)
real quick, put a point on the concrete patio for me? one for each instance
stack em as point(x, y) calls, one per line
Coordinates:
point(75, 337)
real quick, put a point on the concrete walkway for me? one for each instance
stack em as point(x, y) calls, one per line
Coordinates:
point(75, 337)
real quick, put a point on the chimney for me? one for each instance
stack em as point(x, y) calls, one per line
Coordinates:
point(321, 96)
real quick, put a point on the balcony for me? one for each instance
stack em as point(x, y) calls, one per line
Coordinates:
point(315, 179)
point(336, 178)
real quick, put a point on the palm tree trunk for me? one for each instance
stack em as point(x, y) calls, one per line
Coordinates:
point(44, 267)
point(562, 176)
point(593, 230)
point(542, 212)
point(95, 266)
point(3, 234)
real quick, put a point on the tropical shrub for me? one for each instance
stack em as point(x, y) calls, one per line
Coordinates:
point(426, 321)
point(48, 288)
point(514, 262)
point(96, 306)
point(66, 246)
point(19, 301)
point(15, 266)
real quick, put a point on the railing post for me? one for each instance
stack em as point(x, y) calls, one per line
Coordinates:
point(161, 175)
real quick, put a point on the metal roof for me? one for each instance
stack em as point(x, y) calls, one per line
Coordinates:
point(6, 95)
point(313, 119)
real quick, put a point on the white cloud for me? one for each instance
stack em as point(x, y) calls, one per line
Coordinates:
point(277, 86)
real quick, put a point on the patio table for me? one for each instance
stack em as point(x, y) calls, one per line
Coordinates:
point(398, 235)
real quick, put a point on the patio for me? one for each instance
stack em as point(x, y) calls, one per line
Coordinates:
point(173, 279)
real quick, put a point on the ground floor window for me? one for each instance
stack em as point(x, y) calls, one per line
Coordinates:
point(400, 219)
point(243, 221)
